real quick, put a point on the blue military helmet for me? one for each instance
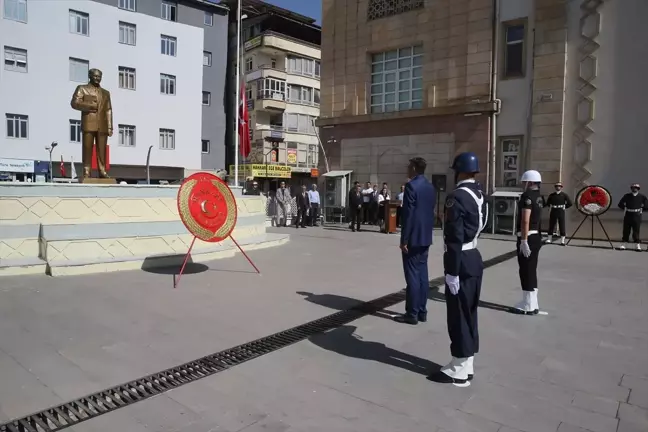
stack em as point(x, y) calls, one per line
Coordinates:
point(465, 162)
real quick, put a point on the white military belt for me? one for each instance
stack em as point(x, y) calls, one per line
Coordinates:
point(633, 210)
point(529, 233)
point(480, 202)
point(558, 206)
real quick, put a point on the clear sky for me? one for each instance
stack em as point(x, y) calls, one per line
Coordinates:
point(311, 8)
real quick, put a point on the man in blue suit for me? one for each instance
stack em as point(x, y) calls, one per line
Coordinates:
point(419, 201)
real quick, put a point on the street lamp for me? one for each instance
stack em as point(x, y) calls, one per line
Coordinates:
point(51, 149)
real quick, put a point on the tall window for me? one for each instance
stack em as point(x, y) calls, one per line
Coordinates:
point(514, 38)
point(75, 131)
point(130, 5)
point(169, 11)
point(126, 135)
point(303, 66)
point(313, 156)
point(270, 88)
point(209, 18)
point(127, 33)
point(509, 168)
point(168, 45)
point(79, 70)
point(206, 146)
point(207, 58)
point(167, 139)
point(15, 59)
point(126, 78)
point(249, 65)
point(206, 98)
point(17, 126)
point(299, 123)
point(318, 69)
point(167, 84)
point(15, 10)
point(79, 23)
point(396, 80)
point(302, 95)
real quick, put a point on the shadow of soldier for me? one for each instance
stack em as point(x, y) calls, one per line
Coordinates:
point(342, 303)
point(344, 341)
point(436, 295)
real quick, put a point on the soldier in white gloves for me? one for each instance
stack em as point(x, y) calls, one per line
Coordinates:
point(529, 241)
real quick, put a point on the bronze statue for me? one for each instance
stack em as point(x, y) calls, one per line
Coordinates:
point(96, 121)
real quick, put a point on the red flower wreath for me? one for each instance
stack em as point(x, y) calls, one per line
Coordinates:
point(593, 200)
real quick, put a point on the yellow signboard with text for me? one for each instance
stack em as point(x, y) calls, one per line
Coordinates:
point(262, 170)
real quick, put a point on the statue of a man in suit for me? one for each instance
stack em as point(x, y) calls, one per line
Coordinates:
point(96, 121)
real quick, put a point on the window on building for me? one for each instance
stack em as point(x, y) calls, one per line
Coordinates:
point(15, 10)
point(127, 33)
point(302, 66)
point(273, 63)
point(377, 9)
point(17, 126)
point(207, 58)
point(75, 131)
point(130, 5)
point(301, 123)
point(316, 96)
point(126, 135)
point(126, 78)
point(209, 18)
point(270, 88)
point(248, 93)
point(206, 146)
point(313, 156)
point(509, 157)
point(79, 23)
point(79, 70)
point(167, 84)
point(168, 45)
point(249, 64)
point(206, 98)
point(514, 58)
point(301, 95)
point(167, 139)
point(396, 80)
point(169, 11)
point(15, 59)
point(318, 69)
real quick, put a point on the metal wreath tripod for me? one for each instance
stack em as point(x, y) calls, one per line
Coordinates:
point(592, 217)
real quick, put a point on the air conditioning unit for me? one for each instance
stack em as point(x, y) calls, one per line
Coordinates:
point(504, 212)
point(504, 206)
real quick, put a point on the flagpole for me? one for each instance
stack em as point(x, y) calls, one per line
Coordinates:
point(238, 93)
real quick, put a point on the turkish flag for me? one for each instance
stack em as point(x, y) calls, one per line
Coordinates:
point(94, 157)
point(244, 126)
point(63, 174)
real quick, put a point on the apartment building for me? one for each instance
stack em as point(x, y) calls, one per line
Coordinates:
point(551, 85)
point(281, 66)
point(157, 62)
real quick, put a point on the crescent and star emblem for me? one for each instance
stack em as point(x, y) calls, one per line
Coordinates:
point(203, 207)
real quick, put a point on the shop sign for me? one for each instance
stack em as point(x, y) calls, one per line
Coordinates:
point(17, 166)
point(314, 172)
point(292, 156)
point(252, 43)
point(262, 170)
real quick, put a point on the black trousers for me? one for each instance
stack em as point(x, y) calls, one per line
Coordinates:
point(356, 216)
point(366, 212)
point(314, 214)
point(632, 222)
point(301, 216)
point(461, 311)
point(398, 216)
point(557, 215)
point(529, 266)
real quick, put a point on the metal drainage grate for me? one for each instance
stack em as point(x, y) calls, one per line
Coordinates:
point(94, 405)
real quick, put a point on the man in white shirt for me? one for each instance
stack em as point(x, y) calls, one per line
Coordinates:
point(314, 198)
point(367, 194)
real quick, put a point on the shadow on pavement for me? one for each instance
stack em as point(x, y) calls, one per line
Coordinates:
point(437, 296)
point(342, 303)
point(344, 341)
point(191, 268)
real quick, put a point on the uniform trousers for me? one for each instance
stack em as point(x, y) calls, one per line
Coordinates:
point(632, 222)
point(529, 266)
point(462, 317)
point(415, 267)
point(557, 215)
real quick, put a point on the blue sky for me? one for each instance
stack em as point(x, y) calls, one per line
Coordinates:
point(311, 8)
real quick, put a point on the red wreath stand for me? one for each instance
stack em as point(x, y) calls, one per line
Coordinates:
point(207, 208)
point(592, 202)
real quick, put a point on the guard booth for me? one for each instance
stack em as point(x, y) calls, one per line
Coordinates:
point(336, 191)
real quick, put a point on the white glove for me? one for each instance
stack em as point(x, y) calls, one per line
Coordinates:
point(453, 283)
point(525, 250)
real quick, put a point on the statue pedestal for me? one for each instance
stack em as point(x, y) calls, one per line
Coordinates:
point(98, 181)
point(65, 229)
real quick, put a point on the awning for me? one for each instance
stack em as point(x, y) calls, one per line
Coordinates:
point(336, 173)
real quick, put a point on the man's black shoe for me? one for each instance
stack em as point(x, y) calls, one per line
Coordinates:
point(422, 318)
point(404, 319)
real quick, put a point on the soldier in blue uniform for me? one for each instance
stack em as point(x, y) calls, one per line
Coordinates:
point(465, 217)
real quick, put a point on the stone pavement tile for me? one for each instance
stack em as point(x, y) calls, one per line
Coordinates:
point(118, 420)
point(625, 426)
point(639, 397)
point(565, 427)
point(595, 403)
point(21, 393)
point(535, 388)
point(634, 414)
point(602, 383)
point(635, 382)
point(508, 429)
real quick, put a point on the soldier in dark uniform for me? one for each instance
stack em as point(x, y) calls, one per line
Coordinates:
point(633, 203)
point(558, 202)
point(465, 217)
point(529, 241)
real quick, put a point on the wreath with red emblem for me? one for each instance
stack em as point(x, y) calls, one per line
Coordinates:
point(593, 200)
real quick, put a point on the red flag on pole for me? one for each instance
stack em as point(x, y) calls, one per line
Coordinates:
point(94, 157)
point(244, 127)
point(62, 168)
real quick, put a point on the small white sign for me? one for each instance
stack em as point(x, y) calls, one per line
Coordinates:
point(16, 166)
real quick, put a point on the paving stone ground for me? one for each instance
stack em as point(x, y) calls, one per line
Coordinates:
point(582, 367)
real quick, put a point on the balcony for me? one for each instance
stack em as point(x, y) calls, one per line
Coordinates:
point(266, 71)
point(270, 100)
point(271, 41)
point(265, 132)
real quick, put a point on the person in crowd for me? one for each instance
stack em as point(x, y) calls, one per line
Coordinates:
point(283, 204)
point(416, 237)
point(367, 193)
point(350, 210)
point(356, 201)
point(633, 205)
point(314, 200)
point(302, 207)
point(373, 206)
point(399, 210)
point(383, 197)
point(254, 190)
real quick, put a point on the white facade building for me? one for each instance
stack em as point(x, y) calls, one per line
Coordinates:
point(152, 67)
